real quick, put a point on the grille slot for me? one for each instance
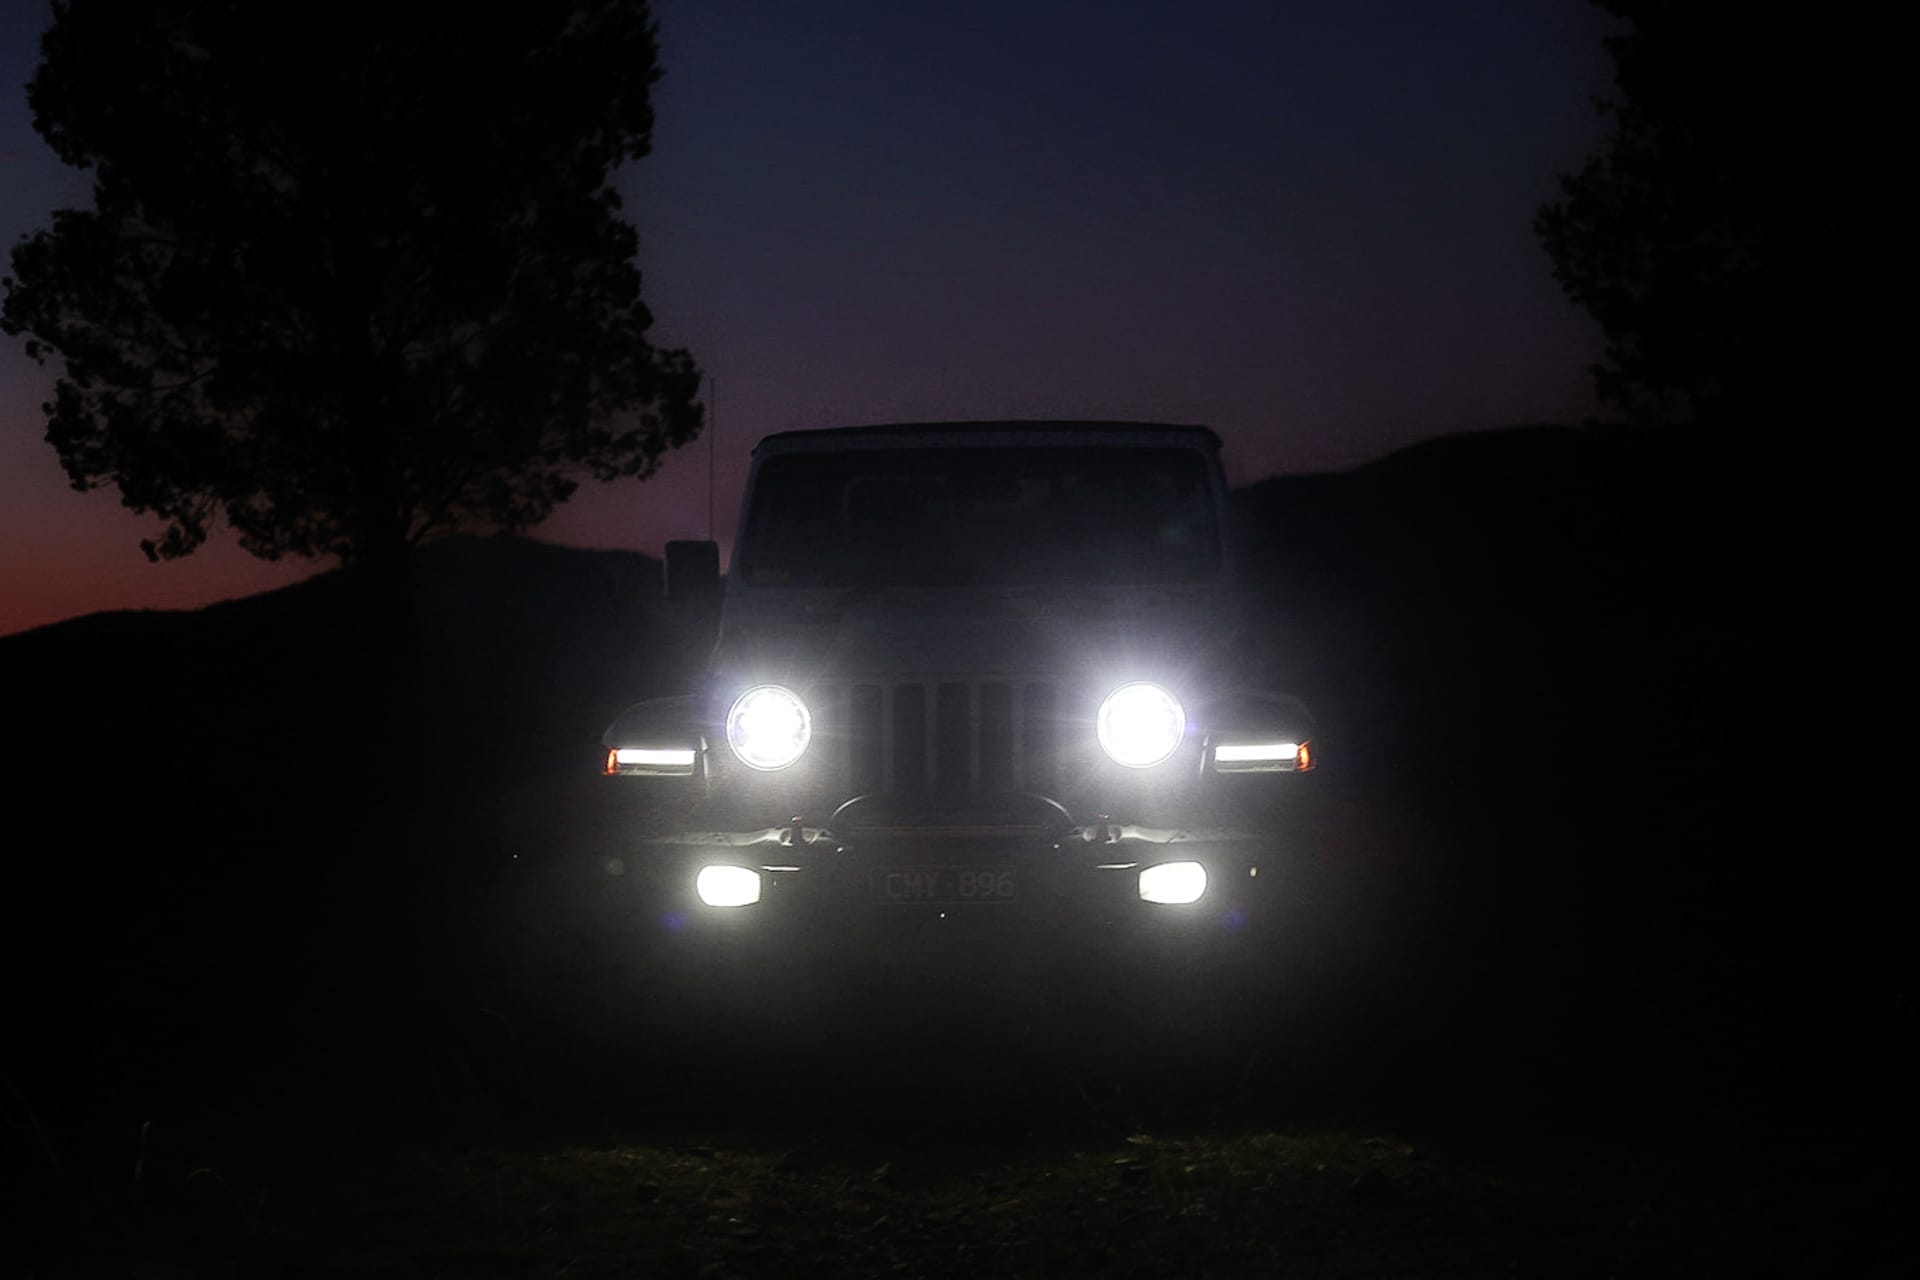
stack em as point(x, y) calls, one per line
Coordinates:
point(952, 736)
point(1040, 761)
point(909, 740)
point(866, 757)
point(996, 737)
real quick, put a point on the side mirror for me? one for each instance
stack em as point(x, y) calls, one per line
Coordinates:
point(692, 575)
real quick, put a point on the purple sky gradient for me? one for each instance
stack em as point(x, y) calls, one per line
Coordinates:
point(1307, 225)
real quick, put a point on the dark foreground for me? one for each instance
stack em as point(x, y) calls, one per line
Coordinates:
point(364, 1095)
point(922, 1130)
point(343, 1036)
point(1591, 968)
point(769, 1203)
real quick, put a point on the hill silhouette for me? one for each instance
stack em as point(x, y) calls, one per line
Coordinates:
point(523, 646)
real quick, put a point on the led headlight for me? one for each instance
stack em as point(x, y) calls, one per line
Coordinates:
point(1140, 724)
point(768, 727)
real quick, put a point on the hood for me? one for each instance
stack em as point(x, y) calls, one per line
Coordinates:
point(903, 632)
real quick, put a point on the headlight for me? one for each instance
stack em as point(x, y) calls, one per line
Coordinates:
point(727, 886)
point(1140, 724)
point(1173, 882)
point(768, 727)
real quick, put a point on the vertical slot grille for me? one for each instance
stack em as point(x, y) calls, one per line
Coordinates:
point(996, 737)
point(1041, 739)
point(952, 737)
point(949, 736)
point(866, 743)
point(910, 737)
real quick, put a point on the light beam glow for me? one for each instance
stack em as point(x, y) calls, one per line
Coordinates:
point(1173, 882)
point(728, 886)
point(1140, 725)
point(769, 727)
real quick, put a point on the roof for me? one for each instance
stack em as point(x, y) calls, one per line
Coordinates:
point(997, 434)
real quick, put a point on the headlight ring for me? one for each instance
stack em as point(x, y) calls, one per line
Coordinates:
point(1140, 724)
point(769, 727)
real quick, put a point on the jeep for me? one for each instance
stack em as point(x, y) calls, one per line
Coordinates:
point(968, 674)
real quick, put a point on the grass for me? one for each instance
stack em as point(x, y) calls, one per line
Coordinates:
point(1311, 1203)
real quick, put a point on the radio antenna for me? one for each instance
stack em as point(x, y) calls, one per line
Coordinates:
point(713, 429)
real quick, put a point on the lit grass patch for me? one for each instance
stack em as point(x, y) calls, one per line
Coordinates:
point(1321, 1203)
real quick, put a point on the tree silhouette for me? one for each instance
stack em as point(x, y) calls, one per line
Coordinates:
point(354, 274)
point(1703, 230)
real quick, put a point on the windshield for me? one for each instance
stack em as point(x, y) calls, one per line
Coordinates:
point(978, 516)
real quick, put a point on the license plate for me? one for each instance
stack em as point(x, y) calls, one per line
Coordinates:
point(943, 884)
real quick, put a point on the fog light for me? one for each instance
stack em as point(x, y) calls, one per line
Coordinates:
point(1173, 882)
point(728, 886)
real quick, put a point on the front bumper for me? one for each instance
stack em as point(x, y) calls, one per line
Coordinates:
point(883, 886)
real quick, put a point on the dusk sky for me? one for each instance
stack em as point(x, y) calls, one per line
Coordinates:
point(1305, 224)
